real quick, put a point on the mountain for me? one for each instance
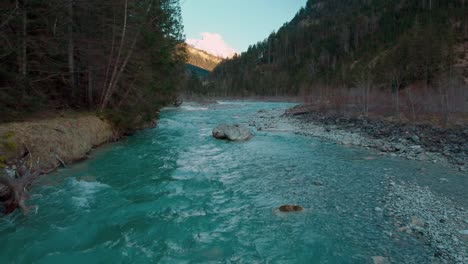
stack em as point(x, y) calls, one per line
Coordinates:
point(197, 71)
point(202, 59)
point(398, 55)
point(214, 44)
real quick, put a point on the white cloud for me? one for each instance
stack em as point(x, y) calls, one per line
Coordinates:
point(213, 43)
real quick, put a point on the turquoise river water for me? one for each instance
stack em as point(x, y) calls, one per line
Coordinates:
point(174, 194)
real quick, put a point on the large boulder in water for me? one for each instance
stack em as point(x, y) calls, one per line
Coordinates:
point(232, 132)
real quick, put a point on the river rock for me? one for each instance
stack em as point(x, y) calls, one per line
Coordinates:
point(317, 183)
point(416, 221)
point(380, 260)
point(464, 234)
point(232, 132)
point(290, 208)
point(178, 102)
point(399, 147)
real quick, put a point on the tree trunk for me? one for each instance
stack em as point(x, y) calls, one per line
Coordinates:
point(398, 104)
point(413, 112)
point(71, 50)
point(24, 55)
point(111, 57)
point(367, 100)
point(108, 90)
point(119, 70)
point(119, 73)
point(90, 87)
point(23, 58)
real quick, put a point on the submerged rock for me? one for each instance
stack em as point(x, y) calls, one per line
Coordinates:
point(290, 208)
point(380, 260)
point(416, 221)
point(317, 183)
point(232, 132)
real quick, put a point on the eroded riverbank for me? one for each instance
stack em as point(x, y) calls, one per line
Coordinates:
point(48, 143)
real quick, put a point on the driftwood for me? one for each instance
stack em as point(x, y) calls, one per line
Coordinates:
point(13, 190)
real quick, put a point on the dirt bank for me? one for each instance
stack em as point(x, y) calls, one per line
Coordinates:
point(46, 144)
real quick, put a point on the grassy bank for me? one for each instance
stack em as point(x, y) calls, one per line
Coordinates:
point(45, 144)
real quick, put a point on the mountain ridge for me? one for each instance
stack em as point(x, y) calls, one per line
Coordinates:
point(201, 58)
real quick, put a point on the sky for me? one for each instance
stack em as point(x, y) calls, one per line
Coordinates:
point(225, 27)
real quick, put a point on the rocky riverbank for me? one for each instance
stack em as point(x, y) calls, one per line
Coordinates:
point(435, 220)
point(415, 142)
point(415, 210)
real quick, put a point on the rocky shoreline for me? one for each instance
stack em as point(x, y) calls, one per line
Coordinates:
point(415, 142)
point(433, 219)
point(414, 210)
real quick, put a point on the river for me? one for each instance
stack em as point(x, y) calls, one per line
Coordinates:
point(174, 194)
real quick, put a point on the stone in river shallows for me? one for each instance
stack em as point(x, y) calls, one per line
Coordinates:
point(290, 208)
point(232, 132)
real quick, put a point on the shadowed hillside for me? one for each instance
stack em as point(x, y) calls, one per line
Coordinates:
point(402, 58)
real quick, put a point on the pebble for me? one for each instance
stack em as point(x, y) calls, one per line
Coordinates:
point(431, 218)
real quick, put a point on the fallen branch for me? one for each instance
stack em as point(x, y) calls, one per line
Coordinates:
point(13, 190)
point(60, 160)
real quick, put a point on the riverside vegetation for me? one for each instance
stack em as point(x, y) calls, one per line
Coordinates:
point(405, 60)
point(111, 64)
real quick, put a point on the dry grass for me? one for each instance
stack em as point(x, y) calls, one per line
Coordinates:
point(43, 143)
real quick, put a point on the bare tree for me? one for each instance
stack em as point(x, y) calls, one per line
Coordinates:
point(364, 82)
point(396, 80)
point(24, 57)
point(71, 50)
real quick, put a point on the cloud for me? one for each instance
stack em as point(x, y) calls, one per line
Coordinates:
point(213, 43)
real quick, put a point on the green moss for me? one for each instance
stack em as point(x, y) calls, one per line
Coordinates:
point(2, 162)
point(10, 145)
point(7, 142)
point(8, 135)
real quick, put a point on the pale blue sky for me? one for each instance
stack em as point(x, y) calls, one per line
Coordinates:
point(240, 22)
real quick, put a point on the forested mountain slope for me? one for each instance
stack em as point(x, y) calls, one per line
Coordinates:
point(409, 54)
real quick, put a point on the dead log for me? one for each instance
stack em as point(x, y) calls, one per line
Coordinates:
point(13, 190)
